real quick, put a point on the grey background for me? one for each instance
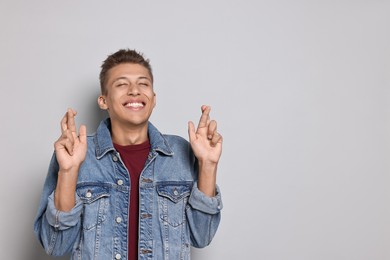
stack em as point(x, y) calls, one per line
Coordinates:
point(300, 90)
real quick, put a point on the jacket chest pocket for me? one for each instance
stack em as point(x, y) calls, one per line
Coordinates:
point(95, 204)
point(172, 201)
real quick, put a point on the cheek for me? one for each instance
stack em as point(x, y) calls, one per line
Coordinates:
point(149, 95)
point(114, 97)
point(153, 100)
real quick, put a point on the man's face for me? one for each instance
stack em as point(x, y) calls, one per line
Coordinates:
point(129, 98)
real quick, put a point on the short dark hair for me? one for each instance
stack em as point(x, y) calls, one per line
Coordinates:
point(119, 57)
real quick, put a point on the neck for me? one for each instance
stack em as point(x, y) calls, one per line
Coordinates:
point(129, 135)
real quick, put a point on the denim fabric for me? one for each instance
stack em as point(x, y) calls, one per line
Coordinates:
point(173, 213)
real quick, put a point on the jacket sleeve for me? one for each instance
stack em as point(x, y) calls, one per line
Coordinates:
point(57, 231)
point(204, 212)
point(203, 215)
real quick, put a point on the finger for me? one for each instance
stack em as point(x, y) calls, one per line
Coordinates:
point(70, 120)
point(217, 138)
point(65, 120)
point(191, 131)
point(83, 134)
point(64, 123)
point(211, 129)
point(66, 142)
point(68, 146)
point(69, 141)
point(205, 118)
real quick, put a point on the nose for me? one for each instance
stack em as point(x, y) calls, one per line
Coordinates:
point(133, 90)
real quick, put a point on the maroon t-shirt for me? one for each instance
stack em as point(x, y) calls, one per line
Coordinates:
point(134, 158)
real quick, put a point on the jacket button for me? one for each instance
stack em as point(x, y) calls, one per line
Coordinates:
point(118, 220)
point(88, 194)
point(120, 182)
point(115, 158)
point(118, 256)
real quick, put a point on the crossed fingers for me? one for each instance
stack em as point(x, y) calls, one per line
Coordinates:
point(68, 131)
point(67, 122)
point(207, 127)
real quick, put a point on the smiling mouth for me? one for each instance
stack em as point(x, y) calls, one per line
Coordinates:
point(135, 104)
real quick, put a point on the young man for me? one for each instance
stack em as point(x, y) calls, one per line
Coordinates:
point(128, 191)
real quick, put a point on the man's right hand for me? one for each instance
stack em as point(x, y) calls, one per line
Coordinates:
point(71, 148)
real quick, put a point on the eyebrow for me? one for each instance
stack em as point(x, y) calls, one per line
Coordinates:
point(125, 78)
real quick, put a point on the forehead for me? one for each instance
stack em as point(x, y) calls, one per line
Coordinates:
point(127, 70)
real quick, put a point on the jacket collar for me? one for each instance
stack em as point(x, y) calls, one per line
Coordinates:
point(103, 141)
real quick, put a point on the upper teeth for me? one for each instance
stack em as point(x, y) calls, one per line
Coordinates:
point(134, 105)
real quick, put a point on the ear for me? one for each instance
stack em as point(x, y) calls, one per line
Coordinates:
point(102, 102)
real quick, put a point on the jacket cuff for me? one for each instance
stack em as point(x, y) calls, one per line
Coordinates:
point(200, 201)
point(63, 220)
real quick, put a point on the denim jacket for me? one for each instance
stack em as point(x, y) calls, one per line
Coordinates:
point(173, 213)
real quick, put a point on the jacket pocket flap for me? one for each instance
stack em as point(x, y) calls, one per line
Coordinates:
point(175, 191)
point(91, 193)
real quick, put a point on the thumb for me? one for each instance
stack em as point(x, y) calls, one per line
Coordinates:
point(83, 134)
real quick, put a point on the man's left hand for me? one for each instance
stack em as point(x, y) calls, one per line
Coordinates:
point(205, 141)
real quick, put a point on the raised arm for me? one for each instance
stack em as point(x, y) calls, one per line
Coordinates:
point(70, 150)
point(206, 143)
